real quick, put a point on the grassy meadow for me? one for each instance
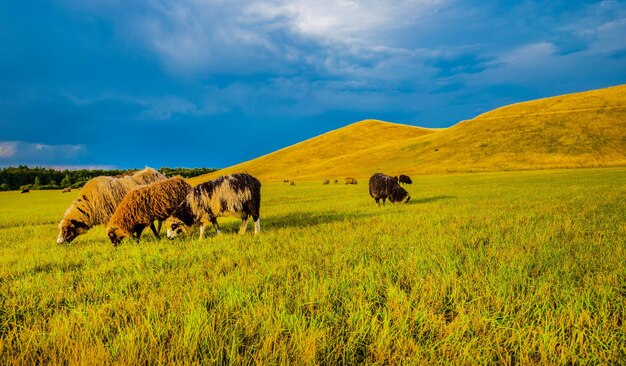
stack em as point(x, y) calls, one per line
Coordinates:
point(523, 267)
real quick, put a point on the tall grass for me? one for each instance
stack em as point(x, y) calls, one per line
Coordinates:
point(507, 268)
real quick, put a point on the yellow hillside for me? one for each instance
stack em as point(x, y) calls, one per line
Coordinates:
point(577, 130)
point(328, 153)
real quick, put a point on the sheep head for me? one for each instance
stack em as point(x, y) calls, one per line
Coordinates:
point(176, 227)
point(116, 234)
point(69, 229)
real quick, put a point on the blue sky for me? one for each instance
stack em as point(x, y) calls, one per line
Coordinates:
point(113, 83)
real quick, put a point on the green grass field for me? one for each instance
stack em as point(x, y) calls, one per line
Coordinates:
point(484, 268)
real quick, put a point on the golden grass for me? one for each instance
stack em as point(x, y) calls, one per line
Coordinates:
point(487, 268)
point(571, 131)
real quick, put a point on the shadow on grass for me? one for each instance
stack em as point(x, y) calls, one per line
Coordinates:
point(430, 199)
point(307, 219)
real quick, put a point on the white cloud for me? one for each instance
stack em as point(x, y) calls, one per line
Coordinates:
point(22, 152)
point(7, 149)
point(343, 20)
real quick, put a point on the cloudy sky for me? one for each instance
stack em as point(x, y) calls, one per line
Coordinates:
point(117, 83)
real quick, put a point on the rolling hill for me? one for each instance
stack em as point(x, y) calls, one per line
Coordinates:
point(585, 129)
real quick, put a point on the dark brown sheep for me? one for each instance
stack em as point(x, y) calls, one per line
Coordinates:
point(405, 179)
point(351, 181)
point(140, 207)
point(386, 187)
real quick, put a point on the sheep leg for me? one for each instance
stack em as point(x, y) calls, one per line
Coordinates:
point(155, 231)
point(257, 224)
point(159, 223)
point(244, 225)
point(217, 227)
point(384, 201)
point(202, 229)
point(138, 233)
point(377, 201)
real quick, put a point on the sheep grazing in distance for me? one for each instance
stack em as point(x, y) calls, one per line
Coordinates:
point(25, 190)
point(292, 183)
point(66, 190)
point(336, 181)
point(326, 181)
point(351, 181)
point(383, 186)
point(405, 179)
point(141, 206)
point(97, 201)
point(230, 195)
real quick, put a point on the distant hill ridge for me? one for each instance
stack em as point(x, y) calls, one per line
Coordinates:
point(585, 129)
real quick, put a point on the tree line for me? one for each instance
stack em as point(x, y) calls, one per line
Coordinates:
point(21, 177)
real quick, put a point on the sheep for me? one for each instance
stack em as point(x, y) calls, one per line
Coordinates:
point(234, 195)
point(351, 181)
point(66, 190)
point(97, 201)
point(405, 179)
point(141, 206)
point(384, 186)
point(326, 181)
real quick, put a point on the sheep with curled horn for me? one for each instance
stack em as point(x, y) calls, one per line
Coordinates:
point(97, 201)
point(142, 206)
point(230, 195)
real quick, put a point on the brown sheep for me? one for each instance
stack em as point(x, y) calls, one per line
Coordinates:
point(97, 201)
point(326, 181)
point(66, 190)
point(351, 181)
point(140, 207)
point(292, 183)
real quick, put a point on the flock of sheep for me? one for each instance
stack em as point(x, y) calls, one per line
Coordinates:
point(129, 204)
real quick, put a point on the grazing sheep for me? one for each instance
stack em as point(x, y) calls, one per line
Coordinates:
point(97, 201)
point(233, 195)
point(25, 190)
point(326, 181)
point(336, 181)
point(66, 190)
point(292, 183)
point(405, 179)
point(141, 206)
point(351, 181)
point(383, 186)
point(285, 180)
